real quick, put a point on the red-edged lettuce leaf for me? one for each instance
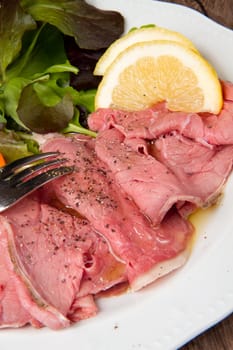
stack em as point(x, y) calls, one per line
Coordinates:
point(86, 61)
point(44, 118)
point(92, 28)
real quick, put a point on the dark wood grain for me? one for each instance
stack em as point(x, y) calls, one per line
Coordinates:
point(219, 10)
point(219, 337)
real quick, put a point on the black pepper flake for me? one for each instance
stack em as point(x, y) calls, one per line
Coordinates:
point(102, 171)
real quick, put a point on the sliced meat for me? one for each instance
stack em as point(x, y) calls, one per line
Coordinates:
point(207, 129)
point(131, 124)
point(227, 88)
point(202, 171)
point(57, 253)
point(177, 171)
point(152, 186)
point(20, 304)
point(12, 310)
point(92, 191)
point(218, 128)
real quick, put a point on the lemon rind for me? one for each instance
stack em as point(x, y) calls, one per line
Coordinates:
point(136, 36)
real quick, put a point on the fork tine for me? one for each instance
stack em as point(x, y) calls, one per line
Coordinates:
point(32, 170)
point(17, 164)
point(24, 188)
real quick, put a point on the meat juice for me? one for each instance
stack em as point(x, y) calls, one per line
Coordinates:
point(200, 218)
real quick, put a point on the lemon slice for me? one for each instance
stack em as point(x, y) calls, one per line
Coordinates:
point(135, 36)
point(147, 73)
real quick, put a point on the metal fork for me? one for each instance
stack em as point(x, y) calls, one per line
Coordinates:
point(25, 175)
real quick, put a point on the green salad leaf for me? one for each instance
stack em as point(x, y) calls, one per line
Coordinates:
point(11, 96)
point(14, 22)
point(36, 90)
point(92, 28)
point(44, 118)
point(75, 127)
point(42, 71)
point(14, 145)
point(42, 53)
point(2, 112)
point(87, 99)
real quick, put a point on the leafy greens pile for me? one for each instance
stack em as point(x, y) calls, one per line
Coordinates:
point(36, 94)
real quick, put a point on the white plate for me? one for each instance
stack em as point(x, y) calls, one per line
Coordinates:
point(175, 309)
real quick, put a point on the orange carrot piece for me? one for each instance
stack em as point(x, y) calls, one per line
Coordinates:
point(2, 160)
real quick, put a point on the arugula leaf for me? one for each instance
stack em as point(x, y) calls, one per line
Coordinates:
point(13, 24)
point(87, 99)
point(92, 28)
point(85, 102)
point(75, 127)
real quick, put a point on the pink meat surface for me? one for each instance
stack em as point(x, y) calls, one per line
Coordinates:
point(12, 310)
point(119, 217)
point(20, 304)
point(92, 191)
point(173, 170)
point(64, 263)
point(227, 88)
point(202, 171)
point(207, 129)
point(150, 183)
point(172, 157)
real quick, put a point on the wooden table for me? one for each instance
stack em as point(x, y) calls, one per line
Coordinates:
point(219, 337)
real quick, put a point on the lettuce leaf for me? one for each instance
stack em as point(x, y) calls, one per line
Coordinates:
point(14, 22)
point(75, 126)
point(92, 28)
point(36, 93)
point(87, 99)
point(43, 52)
point(14, 145)
point(43, 110)
point(43, 70)
point(2, 113)
point(11, 96)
